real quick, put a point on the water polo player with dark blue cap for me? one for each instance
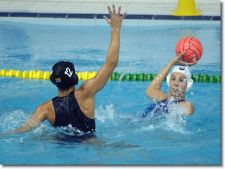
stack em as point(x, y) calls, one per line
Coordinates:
point(179, 82)
point(76, 106)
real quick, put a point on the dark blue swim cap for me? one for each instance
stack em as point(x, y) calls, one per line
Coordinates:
point(63, 75)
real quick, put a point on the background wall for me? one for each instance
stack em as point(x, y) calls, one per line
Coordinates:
point(164, 7)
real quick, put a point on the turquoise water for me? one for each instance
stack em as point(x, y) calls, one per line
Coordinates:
point(122, 136)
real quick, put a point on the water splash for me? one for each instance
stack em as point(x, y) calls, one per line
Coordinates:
point(105, 113)
point(12, 120)
point(121, 76)
point(69, 131)
point(173, 120)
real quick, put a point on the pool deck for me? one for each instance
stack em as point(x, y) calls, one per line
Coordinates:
point(140, 7)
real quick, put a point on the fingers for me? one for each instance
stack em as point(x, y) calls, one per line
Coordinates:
point(186, 63)
point(119, 10)
point(193, 63)
point(107, 20)
point(115, 17)
point(110, 11)
point(180, 61)
point(124, 15)
point(114, 10)
point(181, 54)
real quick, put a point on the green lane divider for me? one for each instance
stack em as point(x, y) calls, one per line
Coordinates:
point(202, 78)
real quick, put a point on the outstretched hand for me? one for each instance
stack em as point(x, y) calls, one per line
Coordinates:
point(116, 18)
point(178, 60)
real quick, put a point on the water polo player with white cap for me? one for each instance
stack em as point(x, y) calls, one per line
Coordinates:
point(179, 81)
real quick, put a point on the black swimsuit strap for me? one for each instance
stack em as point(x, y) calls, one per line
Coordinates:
point(182, 100)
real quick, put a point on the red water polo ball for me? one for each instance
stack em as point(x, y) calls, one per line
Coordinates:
point(192, 47)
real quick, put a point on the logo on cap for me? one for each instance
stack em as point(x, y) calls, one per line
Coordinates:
point(68, 72)
point(182, 68)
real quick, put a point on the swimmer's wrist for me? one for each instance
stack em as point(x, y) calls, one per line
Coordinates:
point(115, 29)
point(172, 62)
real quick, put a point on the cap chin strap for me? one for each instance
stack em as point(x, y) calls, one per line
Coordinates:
point(189, 82)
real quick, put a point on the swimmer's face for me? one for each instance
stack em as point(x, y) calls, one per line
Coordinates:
point(178, 84)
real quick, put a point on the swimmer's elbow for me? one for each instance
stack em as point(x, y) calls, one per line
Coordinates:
point(153, 94)
point(189, 113)
point(147, 92)
point(191, 109)
point(150, 90)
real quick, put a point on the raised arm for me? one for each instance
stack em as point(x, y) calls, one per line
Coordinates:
point(154, 89)
point(93, 85)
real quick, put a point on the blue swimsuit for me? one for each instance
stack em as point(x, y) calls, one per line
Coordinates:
point(158, 108)
point(67, 111)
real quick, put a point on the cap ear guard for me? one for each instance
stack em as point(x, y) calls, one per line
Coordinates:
point(189, 85)
point(52, 79)
point(75, 79)
point(168, 79)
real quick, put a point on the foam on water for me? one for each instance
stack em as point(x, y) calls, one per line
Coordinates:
point(174, 121)
point(105, 113)
point(12, 119)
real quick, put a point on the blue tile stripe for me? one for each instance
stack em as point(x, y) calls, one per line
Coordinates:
point(100, 16)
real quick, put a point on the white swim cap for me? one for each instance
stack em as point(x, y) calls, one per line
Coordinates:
point(184, 70)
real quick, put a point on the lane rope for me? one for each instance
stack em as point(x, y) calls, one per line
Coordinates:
point(44, 75)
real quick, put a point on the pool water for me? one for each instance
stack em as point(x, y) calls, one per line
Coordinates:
point(123, 137)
